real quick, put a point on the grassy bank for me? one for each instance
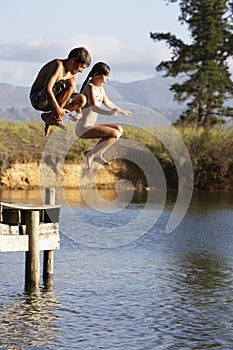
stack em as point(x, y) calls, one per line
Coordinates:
point(211, 151)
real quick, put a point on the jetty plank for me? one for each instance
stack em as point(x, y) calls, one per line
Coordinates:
point(31, 228)
point(20, 243)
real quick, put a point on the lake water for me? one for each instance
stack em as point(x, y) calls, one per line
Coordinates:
point(157, 291)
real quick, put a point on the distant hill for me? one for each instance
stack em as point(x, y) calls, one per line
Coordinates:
point(15, 104)
point(152, 93)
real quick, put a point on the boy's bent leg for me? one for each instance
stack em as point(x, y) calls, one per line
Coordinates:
point(76, 102)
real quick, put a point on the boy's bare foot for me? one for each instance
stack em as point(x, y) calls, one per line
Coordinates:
point(49, 119)
point(47, 129)
point(45, 117)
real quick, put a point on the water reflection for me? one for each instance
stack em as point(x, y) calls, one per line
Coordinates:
point(205, 273)
point(29, 319)
point(203, 303)
point(215, 200)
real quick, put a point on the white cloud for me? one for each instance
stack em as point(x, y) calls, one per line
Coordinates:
point(21, 62)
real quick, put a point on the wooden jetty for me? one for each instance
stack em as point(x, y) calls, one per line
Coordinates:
point(31, 229)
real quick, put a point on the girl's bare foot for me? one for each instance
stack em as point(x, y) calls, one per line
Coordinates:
point(101, 160)
point(89, 159)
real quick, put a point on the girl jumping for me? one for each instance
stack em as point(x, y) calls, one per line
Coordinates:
point(86, 127)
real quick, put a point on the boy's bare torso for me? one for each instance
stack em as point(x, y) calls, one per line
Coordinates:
point(53, 71)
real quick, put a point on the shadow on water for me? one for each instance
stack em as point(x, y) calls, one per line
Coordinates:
point(28, 320)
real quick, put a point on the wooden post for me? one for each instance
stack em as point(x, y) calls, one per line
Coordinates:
point(33, 254)
point(50, 198)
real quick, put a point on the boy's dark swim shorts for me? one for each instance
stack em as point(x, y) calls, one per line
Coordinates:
point(40, 101)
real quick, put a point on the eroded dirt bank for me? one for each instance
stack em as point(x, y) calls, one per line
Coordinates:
point(32, 176)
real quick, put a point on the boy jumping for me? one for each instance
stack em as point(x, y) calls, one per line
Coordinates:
point(54, 89)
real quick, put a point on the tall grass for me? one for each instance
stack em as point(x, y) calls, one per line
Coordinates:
point(210, 149)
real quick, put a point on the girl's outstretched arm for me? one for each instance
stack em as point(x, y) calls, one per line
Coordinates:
point(109, 104)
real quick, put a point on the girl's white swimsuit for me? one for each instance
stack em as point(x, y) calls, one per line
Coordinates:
point(89, 117)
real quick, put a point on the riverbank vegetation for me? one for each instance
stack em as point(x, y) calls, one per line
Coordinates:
point(210, 149)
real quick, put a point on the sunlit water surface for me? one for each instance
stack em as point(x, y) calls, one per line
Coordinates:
point(159, 291)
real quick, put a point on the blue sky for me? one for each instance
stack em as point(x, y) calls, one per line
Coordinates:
point(117, 32)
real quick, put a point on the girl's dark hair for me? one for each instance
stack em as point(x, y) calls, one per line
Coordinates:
point(98, 68)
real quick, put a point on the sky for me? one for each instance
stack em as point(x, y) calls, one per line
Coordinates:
point(116, 32)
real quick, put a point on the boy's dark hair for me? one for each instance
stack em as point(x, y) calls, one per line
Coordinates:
point(98, 68)
point(81, 55)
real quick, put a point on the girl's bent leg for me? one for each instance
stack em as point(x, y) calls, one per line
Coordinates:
point(108, 133)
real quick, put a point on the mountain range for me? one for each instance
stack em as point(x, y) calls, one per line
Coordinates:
point(151, 93)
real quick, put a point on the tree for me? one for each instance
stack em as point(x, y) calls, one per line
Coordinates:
point(204, 61)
